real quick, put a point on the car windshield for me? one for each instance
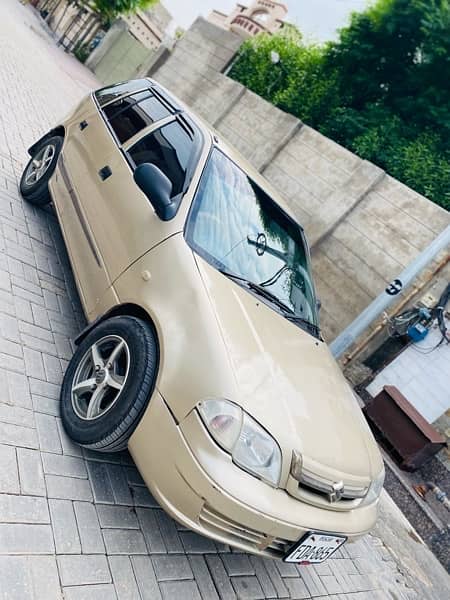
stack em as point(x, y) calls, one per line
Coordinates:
point(238, 228)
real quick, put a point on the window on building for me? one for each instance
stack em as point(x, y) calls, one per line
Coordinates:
point(261, 15)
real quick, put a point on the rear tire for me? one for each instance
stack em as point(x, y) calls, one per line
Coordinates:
point(37, 173)
point(108, 383)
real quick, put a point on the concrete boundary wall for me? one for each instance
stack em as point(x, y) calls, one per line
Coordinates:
point(119, 56)
point(364, 227)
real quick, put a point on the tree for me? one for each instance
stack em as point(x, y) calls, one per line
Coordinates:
point(382, 89)
point(396, 53)
point(295, 83)
point(111, 9)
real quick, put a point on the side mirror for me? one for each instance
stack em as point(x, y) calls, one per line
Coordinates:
point(158, 189)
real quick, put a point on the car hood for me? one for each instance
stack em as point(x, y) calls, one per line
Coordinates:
point(289, 382)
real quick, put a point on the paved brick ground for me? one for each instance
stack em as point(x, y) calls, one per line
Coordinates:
point(75, 524)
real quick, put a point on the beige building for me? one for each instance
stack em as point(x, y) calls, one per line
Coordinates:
point(150, 27)
point(260, 16)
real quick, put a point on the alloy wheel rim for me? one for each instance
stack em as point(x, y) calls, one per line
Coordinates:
point(100, 377)
point(40, 164)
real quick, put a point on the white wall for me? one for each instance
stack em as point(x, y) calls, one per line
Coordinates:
point(422, 376)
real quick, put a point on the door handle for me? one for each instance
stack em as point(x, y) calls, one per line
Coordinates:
point(83, 125)
point(105, 172)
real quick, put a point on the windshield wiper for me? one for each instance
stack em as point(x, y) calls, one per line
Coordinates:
point(287, 312)
point(260, 290)
point(312, 328)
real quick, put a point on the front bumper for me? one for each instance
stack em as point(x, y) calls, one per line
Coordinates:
point(198, 485)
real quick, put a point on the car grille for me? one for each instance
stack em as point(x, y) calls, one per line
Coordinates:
point(316, 491)
point(248, 538)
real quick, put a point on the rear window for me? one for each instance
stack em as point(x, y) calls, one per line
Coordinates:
point(170, 148)
point(129, 115)
point(113, 91)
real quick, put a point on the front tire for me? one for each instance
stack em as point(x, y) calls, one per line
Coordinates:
point(109, 382)
point(37, 173)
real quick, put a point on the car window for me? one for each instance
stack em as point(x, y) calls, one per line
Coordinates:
point(113, 91)
point(237, 227)
point(169, 148)
point(131, 114)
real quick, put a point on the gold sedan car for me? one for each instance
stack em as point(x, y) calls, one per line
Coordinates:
point(203, 352)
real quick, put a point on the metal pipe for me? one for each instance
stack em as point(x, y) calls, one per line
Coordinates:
point(416, 289)
point(345, 339)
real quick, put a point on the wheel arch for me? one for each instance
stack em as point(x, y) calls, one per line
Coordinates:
point(127, 309)
point(59, 131)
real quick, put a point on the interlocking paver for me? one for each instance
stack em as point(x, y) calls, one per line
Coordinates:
point(68, 466)
point(29, 578)
point(19, 538)
point(169, 532)
point(68, 488)
point(16, 415)
point(142, 497)
point(90, 592)
point(11, 362)
point(49, 440)
point(123, 577)
point(16, 435)
point(45, 405)
point(101, 484)
point(83, 569)
point(297, 588)
point(34, 365)
point(172, 567)
point(172, 590)
point(145, 577)
point(312, 581)
point(276, 579)
point(23, 509)
point(15, 389)
point(238, 564)
point(75, 522)
point(119, 485)
point(8, 325)
point(203, 578)
point(196, 544)
point(248, 588)
point(151, 531)
point(89, 528)
point(68, 446)
point(117, 517)
point(124, 541)
point(64, 527)
point(220, 577)
point(31, 472)
point(9, 474)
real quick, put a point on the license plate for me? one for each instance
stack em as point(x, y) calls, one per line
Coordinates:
point(314, 548)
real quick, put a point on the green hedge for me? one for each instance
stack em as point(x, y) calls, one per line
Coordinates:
point(382, 90)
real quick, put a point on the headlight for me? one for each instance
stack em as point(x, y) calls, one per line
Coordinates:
point(374, 490)
point(250, 446)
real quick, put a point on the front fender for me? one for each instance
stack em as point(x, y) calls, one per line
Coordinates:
point(194, 361)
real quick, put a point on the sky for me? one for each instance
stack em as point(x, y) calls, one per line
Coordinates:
point(317, 19)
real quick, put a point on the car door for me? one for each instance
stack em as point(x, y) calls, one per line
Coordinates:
point(86, 141)
point(121, 217)
point(91, 150)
